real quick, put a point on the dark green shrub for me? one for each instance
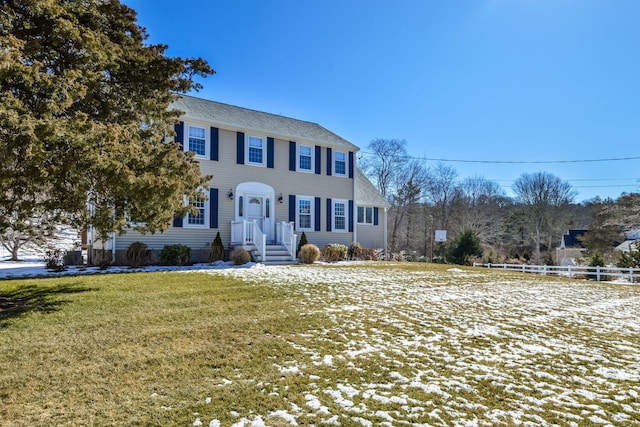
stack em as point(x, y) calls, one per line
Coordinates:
point(217, 249)
point(629, 259)
point(137, 254)
point(303, 241)
point(465, 247)
point(240, 256)
point(354, 250)
point(175, 255)
point(309, 254)
point(596, 260)
point(334, 252)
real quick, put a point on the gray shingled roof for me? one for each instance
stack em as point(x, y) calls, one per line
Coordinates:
point(367, 194)
point(238, 118)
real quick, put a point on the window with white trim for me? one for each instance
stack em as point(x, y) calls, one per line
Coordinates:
point(339, 215)
point(255, 150)
point(200, 219)
point(197, 141)
point(340, 163)
point(305, 158)
point(365, 215)
point(304, 213)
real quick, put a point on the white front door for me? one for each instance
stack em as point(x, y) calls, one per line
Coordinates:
point(255, 210)
point(254, 202)
point(258, 208)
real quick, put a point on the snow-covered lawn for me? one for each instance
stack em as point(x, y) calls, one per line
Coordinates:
point(457, 347)
point(373, 344)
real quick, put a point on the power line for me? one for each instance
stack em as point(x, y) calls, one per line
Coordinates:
point(434, 159)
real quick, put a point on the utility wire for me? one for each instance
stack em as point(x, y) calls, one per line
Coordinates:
point(613, 159)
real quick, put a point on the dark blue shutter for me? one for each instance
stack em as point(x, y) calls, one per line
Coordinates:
point(292, 155)
point(179, 138)
point(317, 212)
point(213, 155)
point(350, 165)
point(213, 208)
point(329, 160)
point(375, 216)
point(292, 208)
point(270, 149)
point(351, 216)
point(329, 217)
point(240, 148)
point(318, 160)
point(177, 222)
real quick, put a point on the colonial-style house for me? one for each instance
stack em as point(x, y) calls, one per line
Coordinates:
point(571, 247)
point(274, 177)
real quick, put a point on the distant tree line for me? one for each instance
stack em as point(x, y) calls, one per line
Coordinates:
point(526, 227)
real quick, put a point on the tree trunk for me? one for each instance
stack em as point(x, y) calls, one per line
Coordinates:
point(14, 253)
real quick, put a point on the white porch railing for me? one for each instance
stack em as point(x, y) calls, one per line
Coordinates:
point(598, 273)
point(259, 240)
point(248, 233)
point(287, 238)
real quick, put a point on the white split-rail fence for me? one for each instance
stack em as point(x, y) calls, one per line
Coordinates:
point(571, 271)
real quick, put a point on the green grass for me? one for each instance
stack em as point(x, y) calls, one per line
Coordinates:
point(412, 342)
point(138, 349)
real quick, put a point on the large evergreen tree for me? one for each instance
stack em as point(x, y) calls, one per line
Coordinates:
point(84, 116)
point(464, 247)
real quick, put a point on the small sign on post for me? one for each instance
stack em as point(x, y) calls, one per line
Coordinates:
point(441, 236)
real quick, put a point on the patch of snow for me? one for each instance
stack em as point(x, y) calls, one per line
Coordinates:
point(285, 416)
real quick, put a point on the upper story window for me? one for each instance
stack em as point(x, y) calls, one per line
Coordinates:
point(200, 219)
point(255, 150)
point(339, 215)
point(365, 215)
point(340, 163)
point(304, 213)
point(305, 158)
point(197, 141)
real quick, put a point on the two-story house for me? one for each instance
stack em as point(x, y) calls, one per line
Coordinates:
point(274, 177)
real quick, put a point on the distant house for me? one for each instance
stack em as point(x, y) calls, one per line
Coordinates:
point(631, 243)
point(274, 177)
point(571, 247)
point(627, 246)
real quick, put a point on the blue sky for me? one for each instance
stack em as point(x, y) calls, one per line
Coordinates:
point(474, 80)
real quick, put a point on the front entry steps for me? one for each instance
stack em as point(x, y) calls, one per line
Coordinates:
point(276, 255)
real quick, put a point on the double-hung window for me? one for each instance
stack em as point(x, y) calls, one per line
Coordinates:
point(197, 141)
point(340, 163)
point(339, 215)
point(365, 215)
point(305, 158)
point(199, 219)
point(255, 150)
point(305, 213)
